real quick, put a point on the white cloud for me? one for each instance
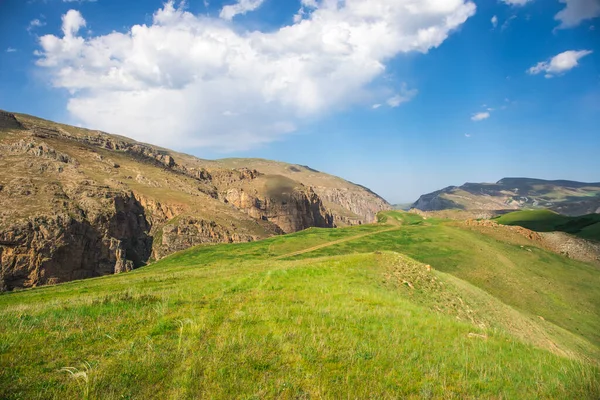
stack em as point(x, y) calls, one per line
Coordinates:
point(376, 106)
point(405, 95)
point(241, 7)
point(170, 82)
point(72, 22)
point(36, 23)
point(480, 116)
point(494, 21)
point(79, 1)
point(577, 11)
point(507, 23)
point(467, 135)
point(559, 64)
point(516, 2)
point(10, 50)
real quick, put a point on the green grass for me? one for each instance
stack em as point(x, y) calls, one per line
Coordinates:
point(532, 280)
point(352, 320)
point(399, 218)
point(591, 232)
point(585, 226)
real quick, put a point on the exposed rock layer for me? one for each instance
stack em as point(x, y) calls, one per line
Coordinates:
point(59, 248)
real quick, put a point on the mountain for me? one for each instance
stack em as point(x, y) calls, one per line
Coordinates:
point(565, 197)
point(78, 203)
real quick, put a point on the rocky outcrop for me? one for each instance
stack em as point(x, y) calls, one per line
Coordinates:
point(105, 141)
point(188, 231)
point(38, 150)
point(59, 248)
point(364, 205)
point(8, 121)
point(299, 209)
point(572, 247)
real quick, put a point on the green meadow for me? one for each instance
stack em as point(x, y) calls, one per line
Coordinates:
point(585, 226)
point(323, 313)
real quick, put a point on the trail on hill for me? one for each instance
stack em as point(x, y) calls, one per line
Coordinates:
point(328, 244)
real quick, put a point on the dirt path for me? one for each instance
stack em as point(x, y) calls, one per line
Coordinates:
point(348, 239)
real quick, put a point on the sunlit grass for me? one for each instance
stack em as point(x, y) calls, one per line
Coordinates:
point(230, 321)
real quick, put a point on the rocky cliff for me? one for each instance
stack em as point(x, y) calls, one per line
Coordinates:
point(63, 247)
point(76, 203)
point(348, 203)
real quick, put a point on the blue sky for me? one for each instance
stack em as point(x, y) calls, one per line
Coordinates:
point(404, 97)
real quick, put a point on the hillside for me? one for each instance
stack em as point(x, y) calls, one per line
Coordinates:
point(350, 204)
point(323, 313)
point(585, 226)
point(76, 203)
point(564, 197)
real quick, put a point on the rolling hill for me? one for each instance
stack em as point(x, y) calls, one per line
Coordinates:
point(78, 203)
point(585, 226)
point(408, 308)
point(565, 197)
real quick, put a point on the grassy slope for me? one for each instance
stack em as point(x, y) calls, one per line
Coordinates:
point(231, 321)
point(530, 279)
point(586, 226)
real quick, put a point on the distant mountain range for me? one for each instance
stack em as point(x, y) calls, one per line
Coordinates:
point(565, 197)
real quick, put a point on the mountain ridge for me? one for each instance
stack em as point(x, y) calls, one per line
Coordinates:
point(79, 203)
point(515, 193)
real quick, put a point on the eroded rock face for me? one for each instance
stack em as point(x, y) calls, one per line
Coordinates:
point(188, 231)
point(37, 149)
point(366, 207)
point(291, 212)
point(63, 247)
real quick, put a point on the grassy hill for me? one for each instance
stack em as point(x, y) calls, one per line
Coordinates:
point(585, 226)
point(322, 313)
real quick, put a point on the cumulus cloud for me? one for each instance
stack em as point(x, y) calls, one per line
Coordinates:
point(494, 21)
point(480, 116)
point(72, 22)
point(11, 50)
point(195, 81)
point(239, 8)
point(577, 11)
point(559, 64)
